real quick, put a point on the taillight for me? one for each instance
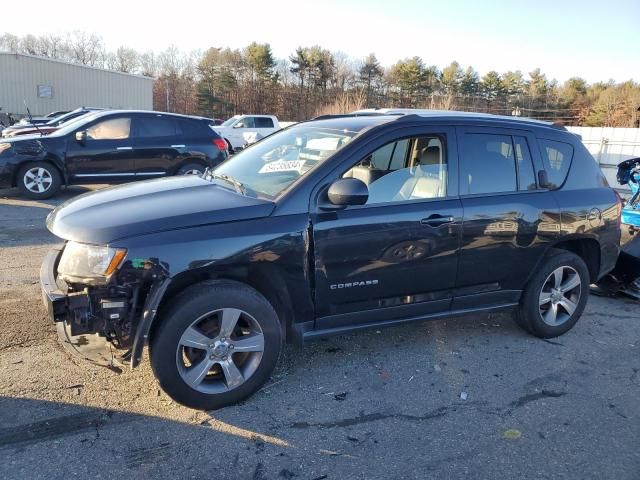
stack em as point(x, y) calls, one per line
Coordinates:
point(220, 143)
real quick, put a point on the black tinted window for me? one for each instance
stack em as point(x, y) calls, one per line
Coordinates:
point(487, 164)
point(556, 157)
point(262, 122)
point(526, 175)
point(156, 127)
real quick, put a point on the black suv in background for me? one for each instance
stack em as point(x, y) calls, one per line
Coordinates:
point(110, 147)
point(327, 227)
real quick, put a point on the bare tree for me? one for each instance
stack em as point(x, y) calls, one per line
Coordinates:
point(86, 49)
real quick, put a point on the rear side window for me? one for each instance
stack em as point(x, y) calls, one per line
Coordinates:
point(556, 157)
point(156, 127)
point(263, 122)
point(487, 164)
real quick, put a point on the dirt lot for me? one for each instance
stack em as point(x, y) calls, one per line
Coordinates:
point(372, 405)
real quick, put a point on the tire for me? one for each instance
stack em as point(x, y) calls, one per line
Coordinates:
point(210, 381)
point(191, 168)
point(547, 312)
point(39, 180)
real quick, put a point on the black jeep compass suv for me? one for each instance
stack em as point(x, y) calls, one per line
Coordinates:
point(330, 226)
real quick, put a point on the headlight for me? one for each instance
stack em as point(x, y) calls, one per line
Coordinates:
point(90, 264)
point(4, 146)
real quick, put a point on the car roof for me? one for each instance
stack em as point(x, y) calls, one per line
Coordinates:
point(148, 112)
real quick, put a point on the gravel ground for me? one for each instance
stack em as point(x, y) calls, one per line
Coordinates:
point(375, 404)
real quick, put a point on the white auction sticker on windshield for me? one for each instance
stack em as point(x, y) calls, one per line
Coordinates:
point(283, 166)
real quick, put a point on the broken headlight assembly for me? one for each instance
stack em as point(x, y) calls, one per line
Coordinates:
point(89, 264)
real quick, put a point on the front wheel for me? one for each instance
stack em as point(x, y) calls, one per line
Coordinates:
point(556, 296)
point(39, 180)
point(217, 343)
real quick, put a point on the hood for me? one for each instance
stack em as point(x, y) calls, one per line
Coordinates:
point(24, 145)
point(139, 208)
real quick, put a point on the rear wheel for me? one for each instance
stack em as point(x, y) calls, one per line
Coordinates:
point(556, 296)
point(191, 169)
point(217, 343)
point(39, 180)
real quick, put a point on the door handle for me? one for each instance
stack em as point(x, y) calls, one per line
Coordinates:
point(124, 148)
point(177, 146)
point(436, 220)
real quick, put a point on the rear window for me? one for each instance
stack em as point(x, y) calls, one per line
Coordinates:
point(556, 157)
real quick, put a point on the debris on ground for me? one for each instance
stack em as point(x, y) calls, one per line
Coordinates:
point(512, 434)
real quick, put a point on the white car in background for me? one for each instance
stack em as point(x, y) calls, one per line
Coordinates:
point(241, 130)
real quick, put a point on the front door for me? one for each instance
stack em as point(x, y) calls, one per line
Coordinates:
point(396, 256)
point(106, 155)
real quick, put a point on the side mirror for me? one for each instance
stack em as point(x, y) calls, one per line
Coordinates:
point(543, 179)
point(81, 137)
point(239, 125)
point(348, 191)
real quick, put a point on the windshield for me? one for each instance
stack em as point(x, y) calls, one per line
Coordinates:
point(71, 125)
point(229, 122)
point(271, 165)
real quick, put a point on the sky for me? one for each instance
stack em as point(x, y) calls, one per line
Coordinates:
point(597, 40)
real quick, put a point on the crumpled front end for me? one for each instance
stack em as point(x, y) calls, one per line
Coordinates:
point(98, 323)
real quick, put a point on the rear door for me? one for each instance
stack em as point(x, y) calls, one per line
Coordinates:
point(106, 154)
point(508, 219)
point(158, 144)
point(396, 256)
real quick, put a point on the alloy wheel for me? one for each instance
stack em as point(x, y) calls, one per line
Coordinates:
point(220, 351)
point(37, 180)
point(560, 295)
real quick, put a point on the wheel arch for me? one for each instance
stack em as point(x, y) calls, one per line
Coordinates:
point(186, 161)
point(588, 249)
point(51, 160)
point(265, 279)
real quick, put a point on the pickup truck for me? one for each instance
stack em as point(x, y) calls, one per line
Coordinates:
point(240, 130)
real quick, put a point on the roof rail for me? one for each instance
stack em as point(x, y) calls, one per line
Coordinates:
point(349, 115)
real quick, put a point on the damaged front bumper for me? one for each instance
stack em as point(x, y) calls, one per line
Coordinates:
point(85, 322)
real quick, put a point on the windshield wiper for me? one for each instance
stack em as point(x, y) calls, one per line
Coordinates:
point(237, 184)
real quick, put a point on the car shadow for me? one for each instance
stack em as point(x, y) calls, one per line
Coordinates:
point(78, 441)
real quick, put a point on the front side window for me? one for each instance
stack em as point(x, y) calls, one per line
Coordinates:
point(556, 157)
point(247, 122)
point(407, 169)
point(114, 129)
point(487, 164)
point(270, 166)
